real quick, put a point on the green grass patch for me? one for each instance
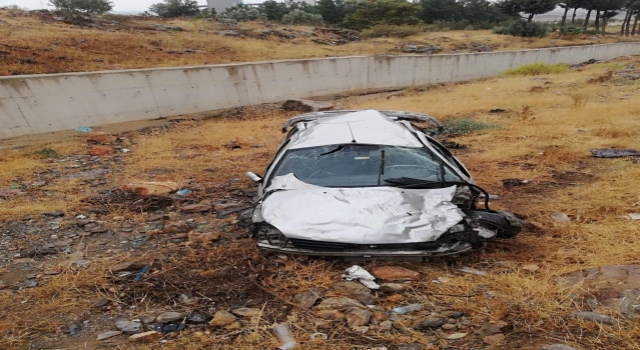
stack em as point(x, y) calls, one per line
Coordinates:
point(46, 153)
point(458, 127)
point(538, 69)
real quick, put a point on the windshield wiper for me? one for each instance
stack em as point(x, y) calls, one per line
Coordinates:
point(337, 149)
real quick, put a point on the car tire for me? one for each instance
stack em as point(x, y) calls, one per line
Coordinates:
point(506, 224)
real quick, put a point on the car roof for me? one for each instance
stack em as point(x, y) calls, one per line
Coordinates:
point(369, 127)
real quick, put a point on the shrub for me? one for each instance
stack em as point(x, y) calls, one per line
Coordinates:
point(243, 14)
point(570, 31)
point(457, 127)
point(297, 17)
point(391, 31)
point(80, 11)
point(175, 8)
point(524, 29)
point(538, 69)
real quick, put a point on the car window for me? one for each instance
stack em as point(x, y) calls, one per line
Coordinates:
point(362, 165)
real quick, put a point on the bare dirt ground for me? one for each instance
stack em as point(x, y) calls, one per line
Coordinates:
point(67, 279)
point(35, 43)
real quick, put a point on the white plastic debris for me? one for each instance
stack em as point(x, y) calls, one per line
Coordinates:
point(472, 271)
point(633, 216)
point(284, 334)
point(81, 217)
point(363, 276)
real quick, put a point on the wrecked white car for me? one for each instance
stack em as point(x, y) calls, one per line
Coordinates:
point(370, 184)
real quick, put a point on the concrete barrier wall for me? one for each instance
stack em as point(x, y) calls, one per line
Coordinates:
point(54, 102)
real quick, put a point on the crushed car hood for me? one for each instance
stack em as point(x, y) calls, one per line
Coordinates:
point(363, 215)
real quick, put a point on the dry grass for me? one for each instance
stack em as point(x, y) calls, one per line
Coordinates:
point(30, 45)
point(556, 139)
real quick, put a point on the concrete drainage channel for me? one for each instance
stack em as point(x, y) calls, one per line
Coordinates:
point(38, 104)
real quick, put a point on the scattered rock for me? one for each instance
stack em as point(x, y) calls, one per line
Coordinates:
point(233, 33)
point(560, 217)
point(166, 27)
point(233, 326)
point(339, 303)
point(423, 49)
point(473, 271)
point(449, 326)
point(302, 105)
point(3, 284)
point(558, 347)
point(125, 266)
point(614, 153)
point(169, 316)
point(128, 326)
point(385, 326)
point(6, 193)
point(109, 334)
point(146, 319)
point(595, 317)
point(39, 250)
point(101, 303)
point(195, 208)
point(30, 283)
point(247, 312)
point(53, 214)
point(395, 273)
point(332, 315)
point(142, 188)
point(205, 237)
point(222, 318)
point(308, 298)
point(197, 317)
point(358, 317)
point(394, 287)
point(146, 337)
point(80, 264)
point(531, 267)
point(356, 291)
point(100, 151)
point(430, 322)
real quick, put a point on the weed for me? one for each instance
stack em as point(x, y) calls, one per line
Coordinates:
point(601, 79)
point(458, 127)
point(525, 113)
point(537, 89)
point(46, 153)
point(579, 100)
point(538, 69)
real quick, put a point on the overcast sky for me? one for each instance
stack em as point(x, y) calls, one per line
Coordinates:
point(120, 5)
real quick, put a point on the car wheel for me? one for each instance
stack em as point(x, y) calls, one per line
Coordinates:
point(506, 224)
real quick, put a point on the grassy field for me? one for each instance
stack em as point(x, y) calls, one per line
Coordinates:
point(35, 44)
point(549, 125)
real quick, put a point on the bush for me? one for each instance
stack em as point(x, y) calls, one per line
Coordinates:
point(175, 8)
point(538, 69)
point(524, 29)
point(81, 11)
point(299, 17)
point(386, 30)
point(457, 127)
point(243, 14)
point(570, 31)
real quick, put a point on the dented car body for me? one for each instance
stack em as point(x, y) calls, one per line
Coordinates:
point(370, 184)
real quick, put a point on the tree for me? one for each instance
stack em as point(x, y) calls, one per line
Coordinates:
point(243, 13)
point(606, 9)
point(274, 10)
point(175, 8)
point(441, 10)
point(331, 11)
point(369, 13)
point(567, 5)
point(77, 11)
point(530, 7)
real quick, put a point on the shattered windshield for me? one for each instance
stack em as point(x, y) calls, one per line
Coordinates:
point(363, 165)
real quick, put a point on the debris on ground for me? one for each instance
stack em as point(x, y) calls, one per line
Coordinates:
point(473, 271)
point(633, 216)
point(302, 105)
point(143, 188)
point(421, 49)
point(395, 273)
point(363, 276)
point(335, 36)
point(614, 153)
point(286, 338)
point(560, 217)
point(594, 317)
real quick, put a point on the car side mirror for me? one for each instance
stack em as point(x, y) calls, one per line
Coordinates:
point(253, 176)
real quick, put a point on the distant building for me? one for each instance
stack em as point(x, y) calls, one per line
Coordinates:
point(221, 5)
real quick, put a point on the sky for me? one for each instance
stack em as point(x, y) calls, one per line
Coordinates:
point(120, 5)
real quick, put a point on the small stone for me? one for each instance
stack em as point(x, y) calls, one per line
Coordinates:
point(339, 303)
point(395, 298)
point(356, 291)
point(145, 337)
point(197, 317)
point(63, 243)
point(53, 214)
point(558, 347)
point(203, 237)
point(233, 326)
point(394, 287)
point(128, 326)
point(430, 322)
point(121, 267)
point(30, 283)
point(379, 316)
point(101, 303)
point(360, 329)
point(109, 334)
point(595, 317)
point(308, 298)
point(395, 273)
point(358, 317)
point(385, 326)
point(80, 263)
point(146, 319)
point(333, 315)
point(247, 312)
point(494, 339)
point(3, 284)
point(222, 318)
point(560, 217)
point(52, 272)
point(169, 316)
point(449, 326)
